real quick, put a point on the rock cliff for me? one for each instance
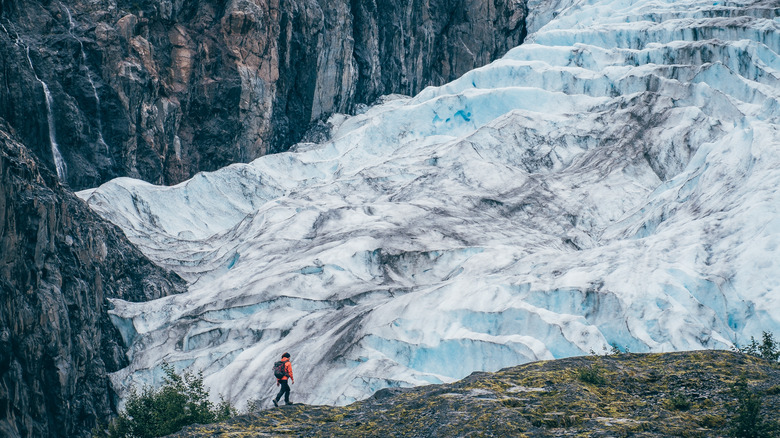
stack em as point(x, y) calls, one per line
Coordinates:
point(59, 262)
point(161, 89)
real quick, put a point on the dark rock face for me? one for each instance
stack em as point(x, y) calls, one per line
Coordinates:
point(162, 89)
point(59, 262)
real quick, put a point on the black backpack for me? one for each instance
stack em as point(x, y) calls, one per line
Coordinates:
point(279, 370)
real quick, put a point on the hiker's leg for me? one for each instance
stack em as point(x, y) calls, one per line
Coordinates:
point(281, 390)
point(286, 389)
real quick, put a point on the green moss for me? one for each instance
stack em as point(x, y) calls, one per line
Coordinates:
point(678, 402)
point(512, 403)
point(593, 374)
point(715, 422)
point(773, 390)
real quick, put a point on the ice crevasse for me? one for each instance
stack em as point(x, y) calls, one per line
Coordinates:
point(612, 181)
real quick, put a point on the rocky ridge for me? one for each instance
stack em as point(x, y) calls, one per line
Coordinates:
point(643, 395)
point(161, 89)
point(59, 263)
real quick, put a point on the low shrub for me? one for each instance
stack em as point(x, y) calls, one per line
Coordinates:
point(716, 422)
point(512, 403)
point(181, 401)
point(592, 374)
point(773, 390)
point(679, 402)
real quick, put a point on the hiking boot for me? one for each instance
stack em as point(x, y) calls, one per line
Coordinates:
point(288, 403)
point(275, 403)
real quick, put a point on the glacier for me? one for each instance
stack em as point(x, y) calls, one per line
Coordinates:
point(611, 181)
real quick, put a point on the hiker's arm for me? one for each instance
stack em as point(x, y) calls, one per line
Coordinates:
point(289, 372)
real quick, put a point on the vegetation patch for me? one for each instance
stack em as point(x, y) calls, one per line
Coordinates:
point(679, 402)
point(768, 349)
point(749, 420)
point(181, 401)
point(592, 374)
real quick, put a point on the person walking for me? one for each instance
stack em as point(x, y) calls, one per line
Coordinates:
point(283, 372)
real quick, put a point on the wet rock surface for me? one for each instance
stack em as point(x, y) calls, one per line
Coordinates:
point(159, 90)
point(642, 395)
point(59, 263)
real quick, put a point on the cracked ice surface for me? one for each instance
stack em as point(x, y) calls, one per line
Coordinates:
point(614, 180)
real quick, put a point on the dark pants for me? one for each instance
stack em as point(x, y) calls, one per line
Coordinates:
point(285, 390)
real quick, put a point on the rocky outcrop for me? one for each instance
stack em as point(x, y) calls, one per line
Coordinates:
point(59, 262)
point(161, 89)
point(648, 395)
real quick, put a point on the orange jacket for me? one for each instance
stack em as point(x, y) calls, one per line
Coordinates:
point(288, 368)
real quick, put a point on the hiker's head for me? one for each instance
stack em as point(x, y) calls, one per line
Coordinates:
point(287, 355)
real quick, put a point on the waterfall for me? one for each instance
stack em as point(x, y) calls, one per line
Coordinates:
point(99, 120)
point(59, 162)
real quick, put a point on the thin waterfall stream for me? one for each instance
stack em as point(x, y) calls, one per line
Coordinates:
point(59, 161)
point(99, 119)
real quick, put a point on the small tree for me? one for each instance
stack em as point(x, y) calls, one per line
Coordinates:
point(768, 349)
point(748, 422)
point(181, 401)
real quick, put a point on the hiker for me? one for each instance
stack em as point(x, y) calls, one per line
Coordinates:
point(282, 372)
